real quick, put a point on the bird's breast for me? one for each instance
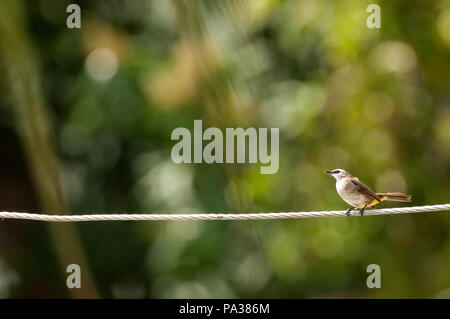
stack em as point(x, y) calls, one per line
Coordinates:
point(349, 193)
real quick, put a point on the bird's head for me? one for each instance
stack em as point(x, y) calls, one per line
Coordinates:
point(338, 173)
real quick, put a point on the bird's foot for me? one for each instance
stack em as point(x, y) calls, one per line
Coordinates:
point(348, 211)
point(361, 212)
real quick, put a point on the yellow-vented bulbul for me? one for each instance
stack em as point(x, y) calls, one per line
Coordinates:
point(358, 195)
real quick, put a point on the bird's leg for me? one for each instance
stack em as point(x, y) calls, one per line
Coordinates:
point(348, 211)
point(361, 212)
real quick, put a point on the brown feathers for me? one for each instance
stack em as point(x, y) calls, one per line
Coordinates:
point(398, 197)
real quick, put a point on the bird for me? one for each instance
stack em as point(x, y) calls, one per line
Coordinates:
point(358, 195)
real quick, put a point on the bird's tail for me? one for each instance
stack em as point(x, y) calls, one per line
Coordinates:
point(397, 197)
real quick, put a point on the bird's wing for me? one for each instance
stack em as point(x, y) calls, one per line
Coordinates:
point(361, 187)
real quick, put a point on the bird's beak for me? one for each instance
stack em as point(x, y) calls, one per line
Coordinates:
point(329, 172)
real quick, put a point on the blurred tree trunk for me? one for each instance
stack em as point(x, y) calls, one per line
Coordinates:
point(35, 132)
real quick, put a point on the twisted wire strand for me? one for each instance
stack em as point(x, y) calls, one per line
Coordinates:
point(224, 216)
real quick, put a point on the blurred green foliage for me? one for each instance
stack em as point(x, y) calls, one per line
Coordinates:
point(372, 101)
